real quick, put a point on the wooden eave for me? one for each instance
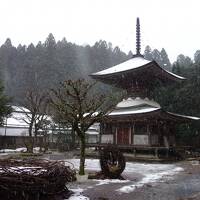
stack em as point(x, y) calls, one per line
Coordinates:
point(146, 74)
point(157, 115)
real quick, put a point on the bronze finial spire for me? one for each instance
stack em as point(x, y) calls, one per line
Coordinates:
point(138, 47)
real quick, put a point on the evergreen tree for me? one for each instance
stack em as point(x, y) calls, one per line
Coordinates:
point(8, 63)
point(165, 60)
point(148, 53)
point(197, 57)
point(160, 57)
point(5, 109)
point(130, 54)
point(50, 45)
point(157, 57)
point(50, 65)
point(184, 61)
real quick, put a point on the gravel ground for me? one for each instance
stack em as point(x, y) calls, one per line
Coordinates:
point(182, 186)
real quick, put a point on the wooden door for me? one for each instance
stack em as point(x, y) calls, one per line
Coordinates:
point(123, 135)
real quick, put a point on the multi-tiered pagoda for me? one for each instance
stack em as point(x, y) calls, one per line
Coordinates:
point(139, 120)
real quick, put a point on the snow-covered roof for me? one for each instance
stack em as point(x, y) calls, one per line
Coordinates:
point(135, 106)
point(184, 116)
point(93, 114)
point(175, 75)
point(16, 120)
point(127, 65)
point(20, 109)
point(92, 132)
point(133, 102)
point(148, 109)
point(132, 106)
point(133, 111)
point(18, 116)
point(131, 64)
point(95, 126)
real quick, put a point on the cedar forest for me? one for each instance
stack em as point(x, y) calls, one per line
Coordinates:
point(45, 65)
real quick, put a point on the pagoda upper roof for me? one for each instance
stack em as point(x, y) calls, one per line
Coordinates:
point(125, 66)
point(135, 69)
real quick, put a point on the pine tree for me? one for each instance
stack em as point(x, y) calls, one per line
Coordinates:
point(5, 109)
point(184, 61)
point(165, 60)
point(197, 57)
point(148, 53)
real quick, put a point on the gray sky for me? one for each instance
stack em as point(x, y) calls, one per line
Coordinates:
point(172, 24)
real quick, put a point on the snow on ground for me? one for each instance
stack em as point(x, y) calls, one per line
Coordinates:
point(24, 170)
point(152, 176)
point(150, 173)
point(77, 195)
point(19, 150)
point(107, 181)
point(131, 167)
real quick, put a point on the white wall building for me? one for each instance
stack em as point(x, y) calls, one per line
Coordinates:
point(15, 127)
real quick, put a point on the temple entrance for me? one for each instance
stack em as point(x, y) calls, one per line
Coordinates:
point(123, 135)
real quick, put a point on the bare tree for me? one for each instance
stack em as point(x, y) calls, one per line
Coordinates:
point(77, 104)
point(34, 114)
point(43, 123)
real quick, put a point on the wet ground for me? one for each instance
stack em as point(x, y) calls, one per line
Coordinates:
point(146, 181)
point(184, 185)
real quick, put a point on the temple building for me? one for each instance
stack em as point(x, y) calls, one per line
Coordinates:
point(138, 120)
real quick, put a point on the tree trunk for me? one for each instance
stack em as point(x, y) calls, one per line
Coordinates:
point(82, 156)
point(30, 142)
point(46, 143)
point(73, 139)
point(30, 129)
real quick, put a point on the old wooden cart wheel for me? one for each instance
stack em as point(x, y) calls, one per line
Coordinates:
point(112, 162)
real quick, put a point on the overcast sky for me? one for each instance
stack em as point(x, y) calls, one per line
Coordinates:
point(171, 24)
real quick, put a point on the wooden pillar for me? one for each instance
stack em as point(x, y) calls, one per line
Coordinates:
point(167, 152)
point(134, 152)
point(115, 141)
point(101, 131)
point(133, 133)
point(149, 134)
point(160, 139)
point(130, 134)
point(156, 152)
point(114, 132)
